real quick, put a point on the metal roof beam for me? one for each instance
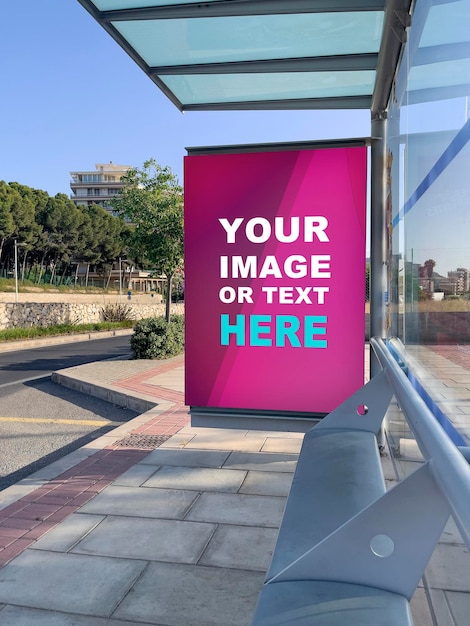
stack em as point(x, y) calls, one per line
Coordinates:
point(345, 102)
point(278, 147)
point(397, 20)
point(224, 8)
point(352, 62)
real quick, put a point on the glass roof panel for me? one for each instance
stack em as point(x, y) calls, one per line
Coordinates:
point(112, 5)
point(208, 40)
point(256, 50)
point(225, 88)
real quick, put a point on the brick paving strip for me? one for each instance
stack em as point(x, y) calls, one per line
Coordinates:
point(458, 354)
point(25, 521)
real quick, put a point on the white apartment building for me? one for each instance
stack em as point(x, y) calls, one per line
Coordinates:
point(97, 186)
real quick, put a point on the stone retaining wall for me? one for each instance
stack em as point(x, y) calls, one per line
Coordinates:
point(27, 314)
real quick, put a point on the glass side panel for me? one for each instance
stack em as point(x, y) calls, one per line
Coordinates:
point(429, 141)
point(429, 258)
point(440, 75)
point(201, 89)
point(446, 23)
point(441, 59)
point(224, 39)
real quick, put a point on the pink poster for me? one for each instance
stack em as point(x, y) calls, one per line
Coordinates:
point(275, 278)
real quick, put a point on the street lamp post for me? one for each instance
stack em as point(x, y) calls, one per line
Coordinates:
point(16, 268)
point(121, 261)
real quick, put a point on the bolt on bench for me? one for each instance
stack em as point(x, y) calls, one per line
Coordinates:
point(350, 553)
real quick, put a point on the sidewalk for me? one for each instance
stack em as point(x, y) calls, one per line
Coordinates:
point(153, 523)
point(159, 523)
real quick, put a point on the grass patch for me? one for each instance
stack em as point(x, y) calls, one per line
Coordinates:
point(28, 286)
point(444, 305)
point(17, 334)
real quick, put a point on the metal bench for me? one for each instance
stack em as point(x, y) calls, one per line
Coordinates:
point(348, 551)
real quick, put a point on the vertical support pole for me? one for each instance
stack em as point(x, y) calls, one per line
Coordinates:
point(16, 271)
point(378, 234)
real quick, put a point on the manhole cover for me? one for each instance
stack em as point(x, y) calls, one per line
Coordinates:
point(143, 442)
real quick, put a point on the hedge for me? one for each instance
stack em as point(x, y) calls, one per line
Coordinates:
point(155, 338)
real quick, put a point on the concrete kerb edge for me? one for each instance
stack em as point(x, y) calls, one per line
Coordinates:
point(118, 398)
point(32, 482)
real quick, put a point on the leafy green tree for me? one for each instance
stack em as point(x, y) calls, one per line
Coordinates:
point(26, 229)
point(429, 267)
point(62, 223)
point(54, 233)
point(106, 239)
point(8, 196)
point(152, 201)
point(24, 212)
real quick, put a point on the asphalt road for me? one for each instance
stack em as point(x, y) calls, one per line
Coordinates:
point(41, 421)
point(24, 365)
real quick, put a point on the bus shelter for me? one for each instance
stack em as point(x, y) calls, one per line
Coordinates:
point(409, 64)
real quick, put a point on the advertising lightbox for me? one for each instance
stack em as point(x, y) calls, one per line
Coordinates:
point(275, 278)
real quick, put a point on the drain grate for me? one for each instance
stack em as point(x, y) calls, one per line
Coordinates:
point(142, 442)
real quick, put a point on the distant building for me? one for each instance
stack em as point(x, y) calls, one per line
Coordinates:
point(97, 186)
point(461, 278)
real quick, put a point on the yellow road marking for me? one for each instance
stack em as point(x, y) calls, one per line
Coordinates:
point(37, 420)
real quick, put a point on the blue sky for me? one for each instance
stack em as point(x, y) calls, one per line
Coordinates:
point(72, 98)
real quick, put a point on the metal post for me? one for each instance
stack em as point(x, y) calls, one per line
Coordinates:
point(121, 261)
point(378, 234)
point(120, 280)
point(16, 271)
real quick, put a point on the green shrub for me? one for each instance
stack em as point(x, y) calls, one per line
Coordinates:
point(33, 332)
point(117, 313)
point(155, 338)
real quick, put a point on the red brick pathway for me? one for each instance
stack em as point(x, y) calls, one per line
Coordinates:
point(28, 519)
point(459, 354)
point(171, 421)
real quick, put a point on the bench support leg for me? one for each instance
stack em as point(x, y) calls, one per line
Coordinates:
point(386, 546)
point(364, 410)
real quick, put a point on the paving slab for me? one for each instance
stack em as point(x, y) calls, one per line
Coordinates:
point(178, 441)
point(231, 508)
point(419, 607)
point(274, 434)
point(173, 379)
point(68, 582)
point(441, 609)
point(155, 540)
point(197, 478)
point(18, 616)
point(241, 547)
point(140, 502)
point(137, 475)
point(448, 568)
point(226, 439)
point(459, 605)
point(277, 444)
point(216, 596)
point(267, 483)
point(187, 458)
point(63, 537)
point(262, 461)
point(451, 533)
